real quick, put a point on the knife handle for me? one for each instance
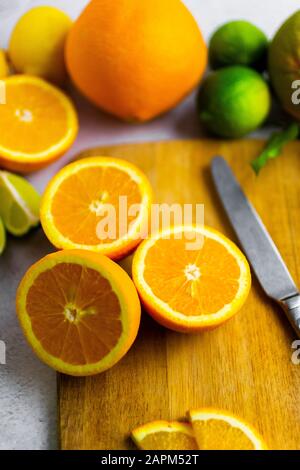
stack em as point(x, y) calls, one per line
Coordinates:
point(291, 306)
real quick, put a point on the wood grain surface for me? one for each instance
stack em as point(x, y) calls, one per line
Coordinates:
point(243, 366)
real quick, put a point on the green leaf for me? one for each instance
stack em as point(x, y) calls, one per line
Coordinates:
point(275, 145)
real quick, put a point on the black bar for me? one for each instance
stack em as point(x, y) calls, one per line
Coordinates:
point(135, 459)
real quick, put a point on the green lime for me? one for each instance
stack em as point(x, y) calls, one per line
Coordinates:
point(19, 203)
point(233, 101)
point(238, 43)
point(2, 237)
point(284, 64)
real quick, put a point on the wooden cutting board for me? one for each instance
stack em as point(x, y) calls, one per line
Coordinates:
point(244, 366)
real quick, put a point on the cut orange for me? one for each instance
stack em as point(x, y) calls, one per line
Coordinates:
point(88, 205)
point(219, 430)
point(162, 435)
point(191, 278)
point(38, 124)
point(79, 311)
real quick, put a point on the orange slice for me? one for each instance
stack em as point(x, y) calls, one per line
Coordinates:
point(191, 278)
point(79, 311)
point(219, 430)
point(162, 435)
point(88, 205)
point(38, 124)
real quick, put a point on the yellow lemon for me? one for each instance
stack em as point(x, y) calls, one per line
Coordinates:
point(36, 45)
point(4, 67)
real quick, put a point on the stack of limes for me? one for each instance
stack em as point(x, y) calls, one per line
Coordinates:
point(235, 99)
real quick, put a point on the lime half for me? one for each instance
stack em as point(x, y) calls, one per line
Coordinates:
point(19, 203)
point(2, 237)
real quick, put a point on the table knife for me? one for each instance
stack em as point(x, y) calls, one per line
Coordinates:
point(256, 242)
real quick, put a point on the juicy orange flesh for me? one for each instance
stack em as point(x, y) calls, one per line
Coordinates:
point(219, 435)
point(168, 441)
point(74, 313)
point(78, 207)
point(32, 119)
point(192, 282)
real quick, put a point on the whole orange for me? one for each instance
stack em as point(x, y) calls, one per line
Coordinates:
point(136, 59)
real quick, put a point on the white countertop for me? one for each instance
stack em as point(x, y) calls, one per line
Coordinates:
point(27, 387)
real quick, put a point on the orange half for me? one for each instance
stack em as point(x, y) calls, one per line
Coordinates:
point(163, 435)
point(101, 204)
point(79, 311)
point(220, 430)
point(191, 278)
point(38, 123)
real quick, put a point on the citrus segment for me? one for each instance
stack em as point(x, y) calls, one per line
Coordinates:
point(43, 119)
point(163, 435)
point(88, 205)
point(20, 203)
point(79, 311)
point(219, 430)
point(191, 286)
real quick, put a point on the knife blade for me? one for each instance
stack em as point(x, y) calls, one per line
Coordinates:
point(261, 251)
